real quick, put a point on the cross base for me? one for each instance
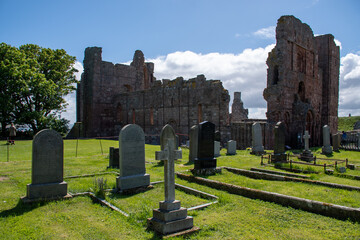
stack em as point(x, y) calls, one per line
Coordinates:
point(279, 157)
point(307, 156)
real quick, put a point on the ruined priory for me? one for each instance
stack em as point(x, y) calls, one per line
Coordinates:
point(302, 91)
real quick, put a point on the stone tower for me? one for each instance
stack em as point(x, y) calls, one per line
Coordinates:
point(302, 81)
point(238, 112)
point(100, 82)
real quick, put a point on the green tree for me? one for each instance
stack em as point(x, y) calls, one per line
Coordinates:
point(38, 79)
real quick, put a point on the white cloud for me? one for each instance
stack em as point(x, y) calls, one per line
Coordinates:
point(244, 72)
point(349, 100)
point(338, 43)
point(268, 33)
point(70, 113)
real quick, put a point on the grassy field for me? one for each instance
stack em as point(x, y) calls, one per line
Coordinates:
point(234, 217)
point(347, 123)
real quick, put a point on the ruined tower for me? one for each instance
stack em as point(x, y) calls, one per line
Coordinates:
point(238, 112)
point(100, 83)
point(302, 81)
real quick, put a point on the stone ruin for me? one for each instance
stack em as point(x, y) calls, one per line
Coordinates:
point(302, 81)
point(110, 96)
point(302, 92)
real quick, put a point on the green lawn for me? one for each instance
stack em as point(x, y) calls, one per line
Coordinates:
point(234, 217)
point(347, 123)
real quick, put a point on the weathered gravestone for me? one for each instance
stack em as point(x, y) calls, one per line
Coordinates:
point(217, 136)
point(231, 147)
point(170, 217)
point(132, 158)
point(307, 155)
point(205, 163)
point(193, 135)
point(257, 146)
point(326, 149)
point(47, 170)
point(216, 148)
point(113, 157)
point(336, 140)
point(279, 143)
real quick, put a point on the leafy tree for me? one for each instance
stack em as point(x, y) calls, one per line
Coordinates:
point(37, 80)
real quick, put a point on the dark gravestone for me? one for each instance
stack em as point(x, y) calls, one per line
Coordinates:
point(279, 143)
point(205, 162)
point(47, 167)
point(132, 158)
point(113, 157)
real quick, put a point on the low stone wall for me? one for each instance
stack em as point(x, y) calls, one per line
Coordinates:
point(278, 173)
point(274, 177)
point(326, 209)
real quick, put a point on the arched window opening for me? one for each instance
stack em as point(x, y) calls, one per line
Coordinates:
point(133, 116)
point(301, 91)
point(119, 113)
point(151, 116)
point(275, 75)
point(199, 113)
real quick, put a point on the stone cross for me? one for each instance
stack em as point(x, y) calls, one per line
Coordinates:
point(169, 153)
point(306, 138)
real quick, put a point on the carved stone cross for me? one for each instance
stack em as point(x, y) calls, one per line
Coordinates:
point(169, 153)
point(306, 137)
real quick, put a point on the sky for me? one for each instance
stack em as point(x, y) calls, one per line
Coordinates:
point(225, 40)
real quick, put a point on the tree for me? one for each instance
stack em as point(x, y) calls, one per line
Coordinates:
point(37, 79)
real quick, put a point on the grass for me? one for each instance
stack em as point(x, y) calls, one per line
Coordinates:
point(347, 123)
point(234, 217)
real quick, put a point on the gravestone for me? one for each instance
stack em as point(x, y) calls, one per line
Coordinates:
point(231, 147)
point(358, 140)
point(47, 170)
point(205, 162)
point(336, 140)
point(170, 217)
point(257, 146)
point(279, 143)
point(113, 157)
point(326, 149)
point(216, 148)
point(342, 169)
point(132, 158)
point(193, 135)
point(217, 136)
point(307, 155)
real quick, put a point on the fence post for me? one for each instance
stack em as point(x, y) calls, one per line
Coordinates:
point(261, 160)
point(346, 163)
point(101, 147)
point(8, 152)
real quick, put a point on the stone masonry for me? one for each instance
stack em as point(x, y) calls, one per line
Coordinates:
point(110, 96)
point(302, 81)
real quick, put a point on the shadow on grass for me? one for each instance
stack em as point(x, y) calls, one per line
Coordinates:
point(21, 208)
point(129, 193)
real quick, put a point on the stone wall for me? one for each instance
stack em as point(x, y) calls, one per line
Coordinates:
point(302, 81)
point(110, 96)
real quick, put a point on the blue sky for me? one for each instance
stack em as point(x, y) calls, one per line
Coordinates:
point(225, 39)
